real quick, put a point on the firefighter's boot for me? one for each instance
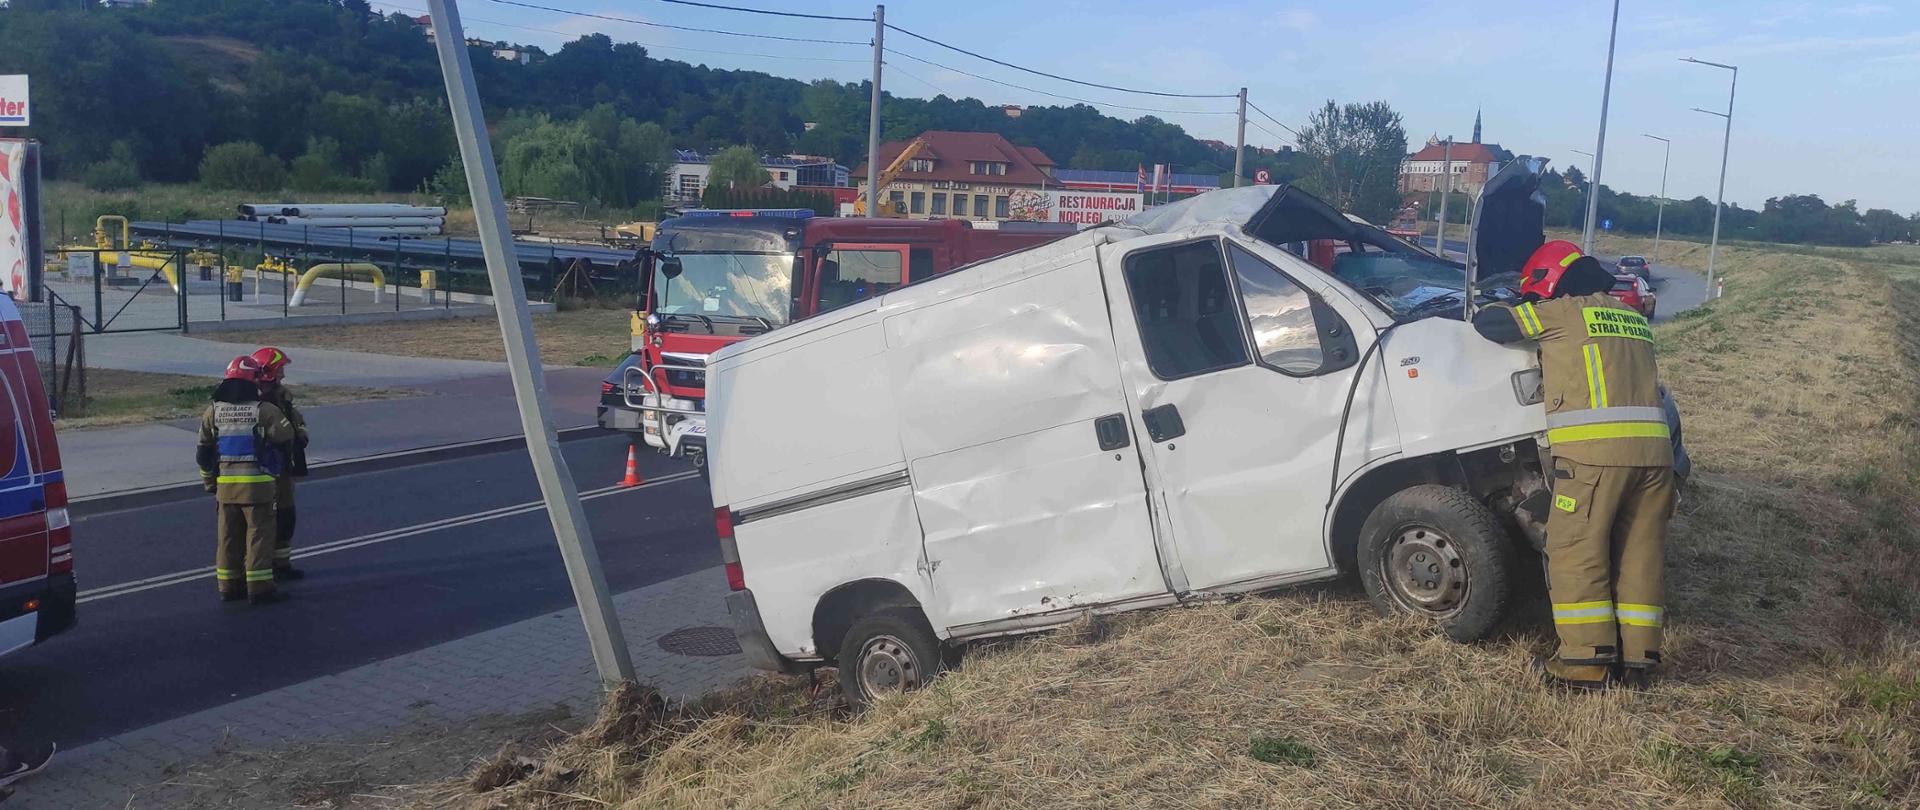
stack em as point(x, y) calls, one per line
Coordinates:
point(1558, 673)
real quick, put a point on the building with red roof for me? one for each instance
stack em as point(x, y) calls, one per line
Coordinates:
point(962, 175)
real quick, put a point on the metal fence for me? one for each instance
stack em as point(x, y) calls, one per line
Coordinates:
point(58, 333)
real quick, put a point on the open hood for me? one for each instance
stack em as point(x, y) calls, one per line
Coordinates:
point(1509, 219)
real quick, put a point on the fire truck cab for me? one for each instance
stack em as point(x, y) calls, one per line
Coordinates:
point(713, 277)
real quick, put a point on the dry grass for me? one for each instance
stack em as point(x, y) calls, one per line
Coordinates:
point(579, 337)
point(116, 397)
point(1795, 663)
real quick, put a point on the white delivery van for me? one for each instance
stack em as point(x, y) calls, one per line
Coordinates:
point(1172, 408)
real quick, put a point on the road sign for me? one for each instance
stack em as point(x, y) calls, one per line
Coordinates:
point(1606, 224)
point(13, 101)
point(1261, 177)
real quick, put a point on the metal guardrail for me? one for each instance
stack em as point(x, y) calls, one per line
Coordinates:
point(649, 386)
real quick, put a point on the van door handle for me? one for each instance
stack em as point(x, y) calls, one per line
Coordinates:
point(1163, 422)
point(1112, 431)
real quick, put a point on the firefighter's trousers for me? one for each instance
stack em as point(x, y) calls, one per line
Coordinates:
point(1606, 545)
point(283, 521)
point(244, 559)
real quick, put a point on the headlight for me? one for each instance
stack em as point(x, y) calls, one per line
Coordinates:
point(1528, 387)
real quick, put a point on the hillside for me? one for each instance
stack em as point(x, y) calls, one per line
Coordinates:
point(282, 73)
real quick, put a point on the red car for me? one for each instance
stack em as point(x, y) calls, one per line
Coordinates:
point(1634, 292)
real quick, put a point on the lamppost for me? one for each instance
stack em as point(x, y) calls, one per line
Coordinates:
point(1719, 202)
point(1659, 218)
point(1585, 236)
point(1600, 142)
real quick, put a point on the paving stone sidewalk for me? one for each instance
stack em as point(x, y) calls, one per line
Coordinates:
point(521, 667)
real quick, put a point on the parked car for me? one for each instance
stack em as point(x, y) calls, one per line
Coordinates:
point(1636, 265)
point(1633, 291)
point(37, 591)
point(1169, 409)
point(613, 411)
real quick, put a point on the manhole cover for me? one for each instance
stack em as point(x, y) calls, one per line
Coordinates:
point(700, 641)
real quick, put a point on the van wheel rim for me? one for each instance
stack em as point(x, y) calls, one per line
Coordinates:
point(887, 664)
point(1424, 572)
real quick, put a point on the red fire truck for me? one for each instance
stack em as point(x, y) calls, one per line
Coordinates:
point(714, 277)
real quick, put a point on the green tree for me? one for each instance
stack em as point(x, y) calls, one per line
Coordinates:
point(1353, 155)
point(1886, 226)
point(242, 166)
point(117, 172)
point(736, 167)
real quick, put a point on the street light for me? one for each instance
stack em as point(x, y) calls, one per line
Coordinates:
point(1600, 143)
point(1719, 202)
point(1587, 236)
point(1660, 217)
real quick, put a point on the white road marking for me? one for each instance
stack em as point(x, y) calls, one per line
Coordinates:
point(387, 536)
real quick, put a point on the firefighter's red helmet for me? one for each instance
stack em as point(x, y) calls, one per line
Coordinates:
point(272, 362)
point(1541, 275)
point(244, 367)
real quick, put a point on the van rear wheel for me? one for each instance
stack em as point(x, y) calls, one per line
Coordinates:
point(889, 650)
point(1437, 553)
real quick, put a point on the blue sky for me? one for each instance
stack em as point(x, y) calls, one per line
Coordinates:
point(1827, 99)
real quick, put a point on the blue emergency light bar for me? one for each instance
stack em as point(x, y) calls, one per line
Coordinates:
point(786, 213)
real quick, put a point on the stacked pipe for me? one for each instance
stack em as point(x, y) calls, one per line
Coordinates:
point(375, 220)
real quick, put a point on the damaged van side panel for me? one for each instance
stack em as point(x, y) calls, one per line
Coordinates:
point(1026, 476)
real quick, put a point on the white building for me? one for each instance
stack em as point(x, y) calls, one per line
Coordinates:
point(687, 179)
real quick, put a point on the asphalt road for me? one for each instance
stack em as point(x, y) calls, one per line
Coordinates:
point(400, 559)
point(1678, 289)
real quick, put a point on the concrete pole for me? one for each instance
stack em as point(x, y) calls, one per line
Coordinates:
point(1660, 215)
point(873, 113)
point(1600, 145)
point(557, 489)
point(1720, 197)
point(1240, 143)
point(1446, 175)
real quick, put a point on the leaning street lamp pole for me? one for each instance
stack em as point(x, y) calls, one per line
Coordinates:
point(1726, 143)
point(1660, 215)
point(1600, 143)
point(557, 489)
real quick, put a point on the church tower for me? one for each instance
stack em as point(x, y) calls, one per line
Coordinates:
point(1476, 125)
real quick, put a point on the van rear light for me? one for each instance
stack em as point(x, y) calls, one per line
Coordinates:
point(59, 530)
point(729, 553)
point(606, 387)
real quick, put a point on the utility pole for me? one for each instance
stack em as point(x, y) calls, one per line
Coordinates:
point(557, 489)
point(1660, 217)
point(1600, 145)
point(1446, 173)
point(873, 113)
point(1726, 144)
point(1240, 143)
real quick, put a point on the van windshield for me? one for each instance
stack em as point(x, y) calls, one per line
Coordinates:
point(756, 286)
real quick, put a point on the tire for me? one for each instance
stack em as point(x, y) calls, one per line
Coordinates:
point(891, 649)
point(1444, 532)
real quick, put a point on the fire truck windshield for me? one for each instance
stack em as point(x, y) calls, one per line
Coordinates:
point(738, 285)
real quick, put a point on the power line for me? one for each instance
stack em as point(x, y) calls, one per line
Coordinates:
point(1054, 95)
point(1057, 76)
point(632, 21)
point(649, 45)
point(768, 12)
point(1257, 109)
point(1276, 136)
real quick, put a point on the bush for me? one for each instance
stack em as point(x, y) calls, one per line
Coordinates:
point(319, 169)
point(242, 166)
point(119, 171)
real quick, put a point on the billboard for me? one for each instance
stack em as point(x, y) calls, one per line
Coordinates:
point(20, 219)
point(1082, 208)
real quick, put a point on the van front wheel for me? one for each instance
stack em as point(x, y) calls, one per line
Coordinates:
point(1435, 552)
point(889, 650)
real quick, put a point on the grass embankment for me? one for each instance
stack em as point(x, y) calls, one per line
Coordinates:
point(116, 397)
point(1794, 675)
point(577, 337)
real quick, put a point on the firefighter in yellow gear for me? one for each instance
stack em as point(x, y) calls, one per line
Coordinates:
point(273, 390)
point(1612, 477)
point(242, 449)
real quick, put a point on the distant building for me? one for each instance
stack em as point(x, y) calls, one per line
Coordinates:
point(1097, 180)
point(963, 175)
point(125, 3)
point(687, 179)
point(1012, 110)
point(1472, 163)
point(424, 24)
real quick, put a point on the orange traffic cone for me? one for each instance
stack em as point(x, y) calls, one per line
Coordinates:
point(633, 478)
